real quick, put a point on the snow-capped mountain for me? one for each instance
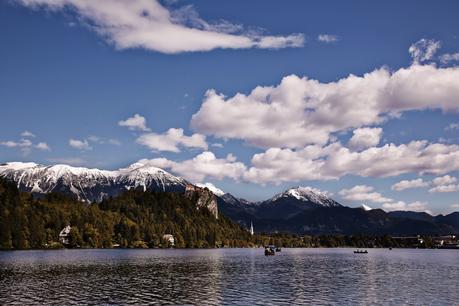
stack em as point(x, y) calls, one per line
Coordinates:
point(307, 195)
point(89, 184)
point(294, 201)
point(365, 207)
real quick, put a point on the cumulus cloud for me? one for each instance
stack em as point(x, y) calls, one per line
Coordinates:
point(102, 141)
point(449, 57)
point(445, 183)
point(363, 193)
point(401, 205)
point(150, 25)
point(327, 38)
point(25, 144)
point(135, 123)
point(423, 50)
point(203, 166)
point(82, 145)
point(42, 146)
point(302, 111)
point(364, 138)
point(452, 127)
point(334, 161)
point(27, 134)
point(444, 180)
point(406, 184)
point(171, 140)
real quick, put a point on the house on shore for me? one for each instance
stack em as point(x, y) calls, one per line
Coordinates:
point(169, 239)
point(64, 235)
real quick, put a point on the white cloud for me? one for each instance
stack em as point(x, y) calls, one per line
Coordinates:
point(134, 123)
point(364, 138)
point(151, 26)
point(203, 166)
point(327, 38)
point(80, 144)
point(73, 161)
point(445, 188)
point(114, 142)
point(334, 161)
point(102, 141)
point(43, 146)
point(401, 205)
point(444, 180)
point(452, 126)
point(171, 140)
point(445, 183)
point(25, 144)
point(423, 50)
point(27, 134)
point(363, 193)
point(449, 57)
point(217, 145)
point(301, 111)
point(405, 184)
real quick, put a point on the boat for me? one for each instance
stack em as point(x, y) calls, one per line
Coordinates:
point(360, 252)
point(278, 249)
point(269, 251)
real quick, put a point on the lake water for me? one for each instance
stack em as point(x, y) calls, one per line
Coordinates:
point(230, 276)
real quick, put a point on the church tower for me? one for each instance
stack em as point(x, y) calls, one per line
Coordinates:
point(251, 228)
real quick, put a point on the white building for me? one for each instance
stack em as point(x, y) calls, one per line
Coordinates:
point(170, 239)
point(64, 235)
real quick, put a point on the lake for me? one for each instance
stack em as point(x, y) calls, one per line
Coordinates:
point(230, 276)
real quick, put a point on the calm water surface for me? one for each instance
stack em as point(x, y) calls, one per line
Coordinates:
point(231, 276)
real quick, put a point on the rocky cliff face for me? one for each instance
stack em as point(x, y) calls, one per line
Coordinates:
point(203, 197)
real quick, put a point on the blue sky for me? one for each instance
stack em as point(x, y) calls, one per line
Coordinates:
point(71, 73)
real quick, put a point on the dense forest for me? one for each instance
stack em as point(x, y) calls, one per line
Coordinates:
point(139, 219)
point(134, 219)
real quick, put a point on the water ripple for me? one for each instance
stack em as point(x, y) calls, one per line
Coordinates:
point(232, 276)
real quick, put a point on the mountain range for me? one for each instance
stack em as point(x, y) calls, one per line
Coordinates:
point(301, 210)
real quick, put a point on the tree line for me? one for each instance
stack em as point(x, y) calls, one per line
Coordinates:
point(138, 219)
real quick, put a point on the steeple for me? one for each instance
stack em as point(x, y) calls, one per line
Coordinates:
point(251, 228)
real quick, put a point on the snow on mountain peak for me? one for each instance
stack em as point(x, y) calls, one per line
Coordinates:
point(307, 194)
point(211, 187)
point(365, 207)
point(17, 165)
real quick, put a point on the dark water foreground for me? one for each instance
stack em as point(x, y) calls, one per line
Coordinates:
point(230, 276)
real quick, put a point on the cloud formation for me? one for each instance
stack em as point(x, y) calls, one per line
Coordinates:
point(423, 50)
point(327, 38)
point(406, 184)
point(203, 166)
point(27, 134)
point(25, 144)
point(401, 205)
point(172, 140)
point(150, 25)
point(135, 123)
point(82, 145)
point(364, 138)
point(449, 57)
point(314, 162)
point(445, 183)
point(363, 193)
point(302, 111)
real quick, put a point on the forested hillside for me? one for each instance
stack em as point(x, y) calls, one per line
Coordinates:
point(134, 219)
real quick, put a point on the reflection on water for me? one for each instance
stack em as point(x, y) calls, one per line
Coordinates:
point(242, 276)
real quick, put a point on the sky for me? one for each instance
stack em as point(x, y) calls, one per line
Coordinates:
point(357, 99)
